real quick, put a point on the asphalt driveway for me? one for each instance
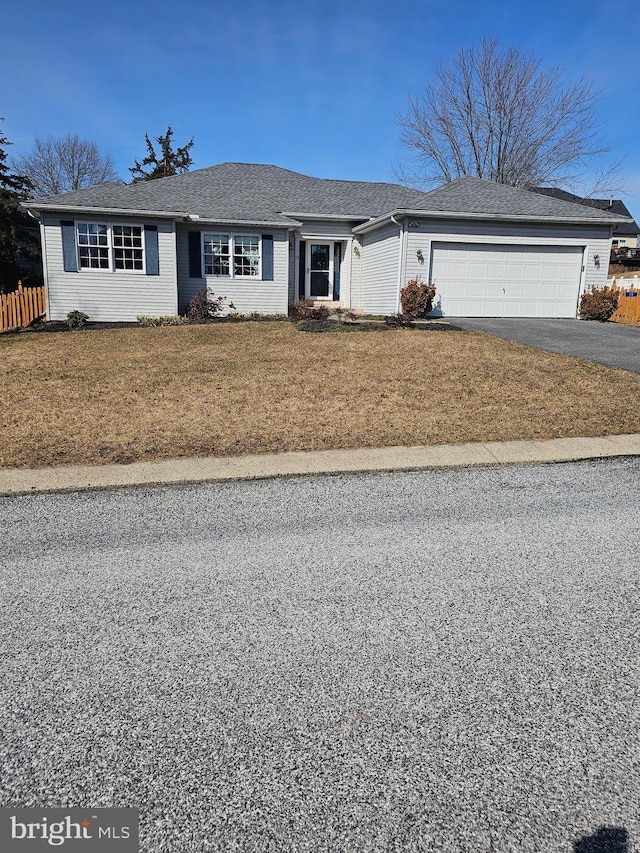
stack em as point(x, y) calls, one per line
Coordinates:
point(607, 343)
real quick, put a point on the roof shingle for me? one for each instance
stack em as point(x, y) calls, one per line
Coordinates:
point(245, 192)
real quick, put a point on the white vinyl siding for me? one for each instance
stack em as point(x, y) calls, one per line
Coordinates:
point(355, 275)
point(248, 294)
point(109, 295)
point(380, 259)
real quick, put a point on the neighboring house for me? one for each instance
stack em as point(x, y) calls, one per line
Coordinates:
point(624, 235)
point(264, 237)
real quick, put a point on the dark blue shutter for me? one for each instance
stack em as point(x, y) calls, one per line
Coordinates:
point(337, 258)
point(267, 257)
point(69, 252)
point(302, 269)
point(195, 255)
point(151, 249)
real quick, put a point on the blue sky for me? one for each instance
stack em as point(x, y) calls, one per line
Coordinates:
point(314, 85)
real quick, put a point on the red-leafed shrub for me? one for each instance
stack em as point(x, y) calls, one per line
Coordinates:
point(598, 303)
point(416, 298)
point(304, 310)
point(204, 305)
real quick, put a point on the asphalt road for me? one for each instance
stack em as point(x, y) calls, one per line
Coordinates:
point(612, 344)
point(440, 661)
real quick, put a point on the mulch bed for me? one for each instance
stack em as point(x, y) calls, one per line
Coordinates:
point(63, 326)
point(336, 328)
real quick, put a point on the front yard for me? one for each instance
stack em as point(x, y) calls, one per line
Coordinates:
point(121, 395)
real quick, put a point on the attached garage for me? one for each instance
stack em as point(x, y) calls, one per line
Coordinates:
point(483, 280)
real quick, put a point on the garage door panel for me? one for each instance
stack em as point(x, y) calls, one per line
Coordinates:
point(475, 289)
point(483, 280)
point(496, 271)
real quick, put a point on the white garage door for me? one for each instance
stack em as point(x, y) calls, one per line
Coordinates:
point(476, 280)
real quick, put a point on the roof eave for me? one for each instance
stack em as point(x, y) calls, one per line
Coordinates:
point(257, 223)
point(611, 219)
point(328, 216)
point(159, 214)
point(101, 211)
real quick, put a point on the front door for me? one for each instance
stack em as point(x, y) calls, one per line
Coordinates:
point(319, 270)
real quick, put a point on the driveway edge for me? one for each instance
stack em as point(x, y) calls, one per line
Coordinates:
point(72, 478)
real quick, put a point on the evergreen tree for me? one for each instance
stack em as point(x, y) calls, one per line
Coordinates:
point(18, 242)
point(167, 162)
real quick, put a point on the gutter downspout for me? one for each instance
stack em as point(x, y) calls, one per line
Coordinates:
point(402, 235)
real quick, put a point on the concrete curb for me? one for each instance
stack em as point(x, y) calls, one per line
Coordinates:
point(71, 478)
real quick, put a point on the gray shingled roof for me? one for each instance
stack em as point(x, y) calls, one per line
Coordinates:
point(244, 192)
point(476, 197)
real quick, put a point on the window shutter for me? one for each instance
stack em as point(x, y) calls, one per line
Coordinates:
point(151, 249)
point(195, 255)
point(69, 252)
point(267, 257)
point(302, 269)
point(337, 259)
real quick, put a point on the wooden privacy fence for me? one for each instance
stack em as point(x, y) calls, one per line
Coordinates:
point(628, 310)
point(21, 307)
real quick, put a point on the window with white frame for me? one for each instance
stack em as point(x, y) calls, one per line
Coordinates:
point(246, 256)
point(127, 247)
point(233, 255)
point(107, 247)
point(216, 254)
point(93, 246)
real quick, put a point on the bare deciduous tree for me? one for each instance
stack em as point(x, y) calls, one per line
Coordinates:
point(495, 114)
point(65, 163)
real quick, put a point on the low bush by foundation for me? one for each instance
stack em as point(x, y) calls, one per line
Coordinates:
point(161, 321)
point(598, 304)
point(416, 298)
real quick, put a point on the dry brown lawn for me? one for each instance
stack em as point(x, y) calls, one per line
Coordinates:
point(121, 395)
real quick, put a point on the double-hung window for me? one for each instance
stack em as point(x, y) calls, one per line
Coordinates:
point(102, 246)
point(233, 255)
point(127, 247)
point(216, 254)
point(93, 246)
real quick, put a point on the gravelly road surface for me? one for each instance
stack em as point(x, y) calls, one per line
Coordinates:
point(442, 661)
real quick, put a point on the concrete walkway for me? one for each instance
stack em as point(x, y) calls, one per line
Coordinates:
point(71, 478)
point(612, 344)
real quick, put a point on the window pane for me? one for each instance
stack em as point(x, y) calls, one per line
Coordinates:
point(319, 257)
point(246, 256)
point(90, 234)
point(127, 243)
point(319, 283)
point(216, 254)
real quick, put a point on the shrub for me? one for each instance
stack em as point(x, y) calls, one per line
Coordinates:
point(161, 321)
point(204, 305)
point(304, 310)
point(416, 298)
point(345, 315)
point(76, 319)
point(398, 321)
point(598, 304)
